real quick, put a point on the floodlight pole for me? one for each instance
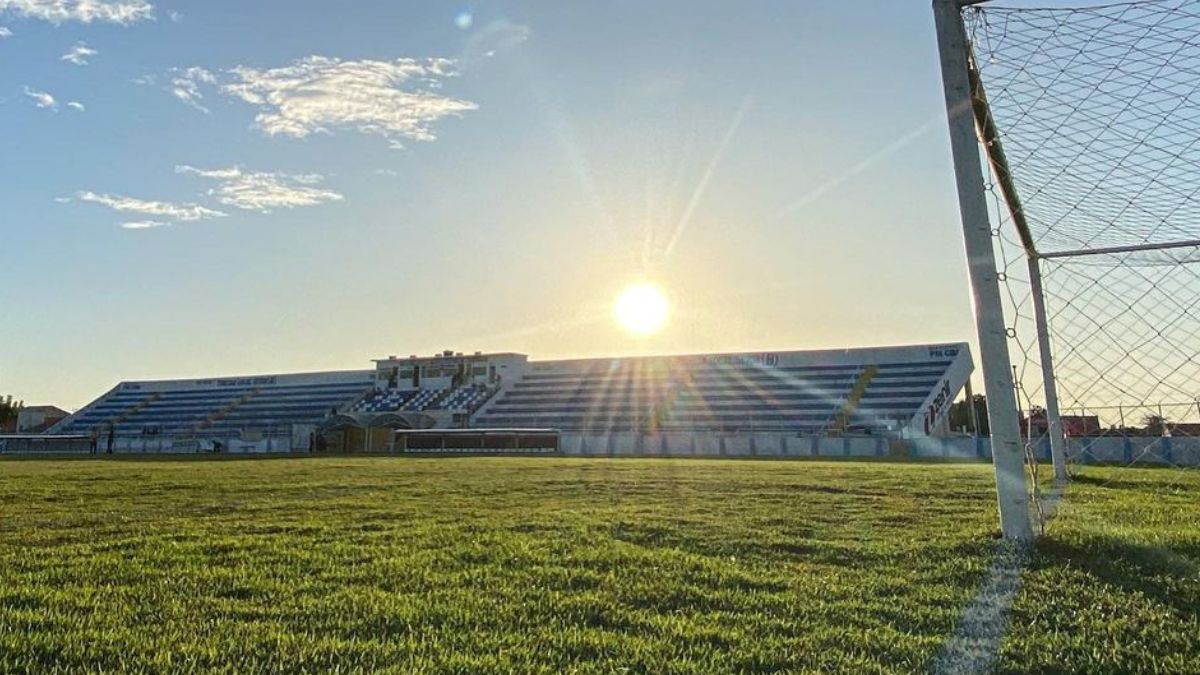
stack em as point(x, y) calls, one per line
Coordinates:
point(1008, 456)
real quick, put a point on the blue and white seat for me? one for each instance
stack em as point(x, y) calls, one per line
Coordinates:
point(187, 407)
point(807, 393)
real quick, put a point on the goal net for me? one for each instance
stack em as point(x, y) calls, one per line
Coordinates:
point(1089, 119)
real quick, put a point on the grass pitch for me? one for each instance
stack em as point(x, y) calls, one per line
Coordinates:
point(550, 565)
point(1115, 586)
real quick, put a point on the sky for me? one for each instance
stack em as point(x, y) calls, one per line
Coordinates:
point(230, 187)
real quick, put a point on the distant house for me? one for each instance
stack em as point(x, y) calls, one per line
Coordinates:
point(35, 419)
point(1183, 428)
point(1073, 425)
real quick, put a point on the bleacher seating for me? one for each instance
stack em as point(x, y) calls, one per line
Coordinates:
point(467, 398)
point(279, 407)
point(422, 399)
point(641, 394)
point(386, 400)
point(159, 408)
point(464, 398)
point(807, 393)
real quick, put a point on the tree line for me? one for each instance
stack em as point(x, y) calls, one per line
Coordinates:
point(960, 418)
point(8, 412)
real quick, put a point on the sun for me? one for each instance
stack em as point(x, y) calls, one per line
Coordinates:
point(641, 308)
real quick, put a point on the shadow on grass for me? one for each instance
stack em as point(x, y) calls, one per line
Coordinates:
point(1113, 483)
point(1166, 575)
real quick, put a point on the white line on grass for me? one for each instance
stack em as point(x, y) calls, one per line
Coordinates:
point(976, 640)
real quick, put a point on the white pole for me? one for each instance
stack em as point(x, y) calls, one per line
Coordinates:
point(1054, 425)
point(1008, 457)
point(972, 414)
point(1190, 243)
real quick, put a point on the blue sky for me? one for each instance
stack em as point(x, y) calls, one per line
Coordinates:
point(277, 186)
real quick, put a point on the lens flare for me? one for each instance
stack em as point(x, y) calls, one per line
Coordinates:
point(641, 308)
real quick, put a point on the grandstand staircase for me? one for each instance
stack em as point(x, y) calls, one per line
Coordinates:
point(224, 410)
point(662, 409)
point(361, 398)
point(435, 402)
point(479, 408)
point(842, 421)
point(489, 395)
point(137, 408)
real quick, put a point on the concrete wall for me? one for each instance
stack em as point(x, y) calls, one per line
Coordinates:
point(950, 448)
point(1181, 451)
point(625, 443)
point(570, 444)
point(165, 445)
point(595, 444)
point(678, 445)
point(707, 445)
point(44, 445)
point(1176, 451)
point(737, 445)
point(768, 445)
point(681, 444)
point(796, 446)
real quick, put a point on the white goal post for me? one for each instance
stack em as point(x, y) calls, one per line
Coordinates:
point(1008, 455)
point(1082, 222)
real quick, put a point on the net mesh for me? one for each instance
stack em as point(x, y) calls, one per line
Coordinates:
point(1098, 112)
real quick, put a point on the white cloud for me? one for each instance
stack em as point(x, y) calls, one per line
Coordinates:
point(185, 86)
point(86, 11)
point(386, 172)
point(143, 224)
point(76, 105)
point(4, 32)
point(41, 99)
point(317, 94)
point(63, 200)
point(185, 212)
point(79, 54)
point(259, 191)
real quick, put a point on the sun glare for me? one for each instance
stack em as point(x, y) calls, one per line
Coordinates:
point(641, 308)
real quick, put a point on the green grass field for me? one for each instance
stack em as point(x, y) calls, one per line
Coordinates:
point(554, 565)
point(1115, 586)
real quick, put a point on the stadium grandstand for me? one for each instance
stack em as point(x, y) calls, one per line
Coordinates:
point(894, 392)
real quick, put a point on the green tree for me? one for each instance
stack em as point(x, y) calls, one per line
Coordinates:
point(960, 414)
point(1155, 425)
point(8, 412)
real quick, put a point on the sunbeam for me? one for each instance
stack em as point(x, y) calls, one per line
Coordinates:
point(866, 163)
point(702, 186)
